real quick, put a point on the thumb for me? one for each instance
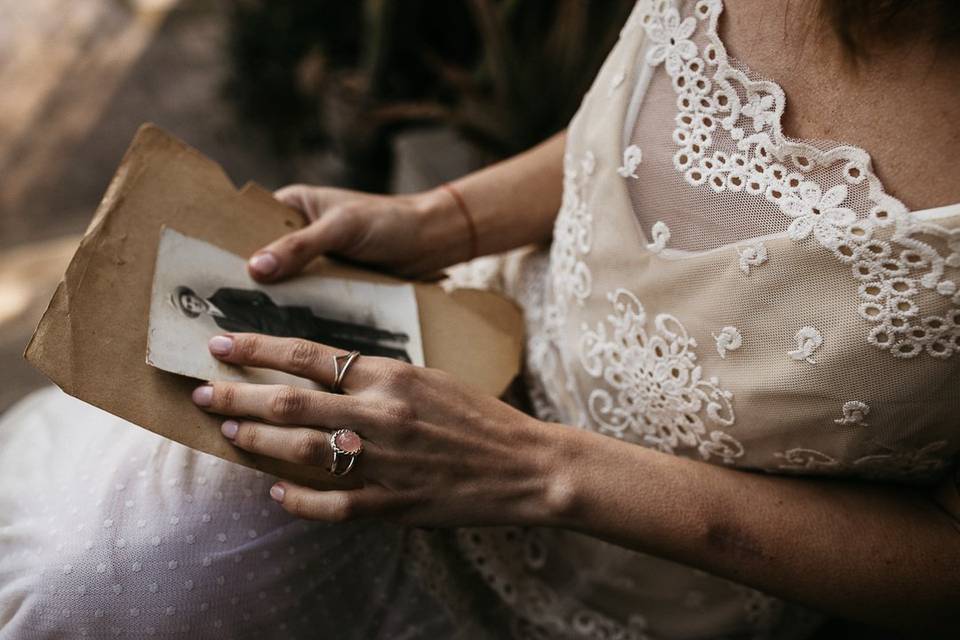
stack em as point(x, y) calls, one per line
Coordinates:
point(288, 255)
point(308, 200)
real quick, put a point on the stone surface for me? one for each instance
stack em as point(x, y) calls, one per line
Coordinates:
point(348, 441)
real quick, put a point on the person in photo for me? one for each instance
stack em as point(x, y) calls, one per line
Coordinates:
point(253, 311)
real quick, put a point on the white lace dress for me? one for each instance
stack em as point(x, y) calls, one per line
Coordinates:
point(713, 290)
point(719, 291)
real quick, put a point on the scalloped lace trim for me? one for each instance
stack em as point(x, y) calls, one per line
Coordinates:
point(882, 247)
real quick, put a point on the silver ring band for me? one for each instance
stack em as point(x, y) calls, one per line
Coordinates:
point(339, 371)
point(347, 447)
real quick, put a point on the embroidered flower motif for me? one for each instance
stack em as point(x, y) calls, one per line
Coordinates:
point(655, 389)
point(632, 157)
point(818, 212)
point(671, 39)
point(649, 10)
point(729, 339)
point(661, 235)
point(752, 256)
point(572, 236)
point(808, 340)
point(759, 107)
point(854, 413)
point(802, 459)
point(588, 623)
point(916, 463)
point(912, 464)
point(705, 8)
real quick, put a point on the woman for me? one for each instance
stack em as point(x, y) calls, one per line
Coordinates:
point(722, 298)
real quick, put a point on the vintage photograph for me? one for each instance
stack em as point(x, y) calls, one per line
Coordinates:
point(200, 290)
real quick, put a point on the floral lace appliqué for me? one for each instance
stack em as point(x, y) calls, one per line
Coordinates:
point(729, 339)
point(632, 157)
point(891, 253)
point(854, 413)
point(573, 234)
point(808, 340)
point(661, 236)
point(671, 38)
point(657, 390)
point(918, 464)
point(752, 255)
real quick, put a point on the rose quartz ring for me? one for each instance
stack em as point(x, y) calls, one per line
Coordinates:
point(346, 446)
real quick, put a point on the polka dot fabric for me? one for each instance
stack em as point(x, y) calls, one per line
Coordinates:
point(107, 531)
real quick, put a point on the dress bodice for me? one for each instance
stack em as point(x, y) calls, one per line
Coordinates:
point(717, 290)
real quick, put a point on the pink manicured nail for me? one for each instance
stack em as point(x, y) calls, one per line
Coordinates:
point(229, 429)
point(220, 345)
point(276, 492)
point(203, 396)
point(264, 263)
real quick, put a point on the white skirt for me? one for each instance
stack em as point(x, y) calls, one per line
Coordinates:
point(108, 530)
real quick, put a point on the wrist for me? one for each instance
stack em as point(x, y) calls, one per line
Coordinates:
point(441, 226)
point(560, 474)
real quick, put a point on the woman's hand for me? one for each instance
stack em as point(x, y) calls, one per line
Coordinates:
point(410, 235)
point(509, 205)
point(435, 453)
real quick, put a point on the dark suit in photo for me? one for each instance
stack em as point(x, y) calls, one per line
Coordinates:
point(250, 311)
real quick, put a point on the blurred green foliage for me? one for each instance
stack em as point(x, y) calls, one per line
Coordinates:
point(347, 75)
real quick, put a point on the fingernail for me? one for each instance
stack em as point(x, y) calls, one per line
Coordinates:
point(220, 345)
point(264, 263)
point(229, 429)
point(276, 492)
point(203, 396)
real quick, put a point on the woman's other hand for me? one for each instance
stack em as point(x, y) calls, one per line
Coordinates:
point(504, 206)
point(410, 235)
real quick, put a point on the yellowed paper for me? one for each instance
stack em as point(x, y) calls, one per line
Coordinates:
point(92, 339)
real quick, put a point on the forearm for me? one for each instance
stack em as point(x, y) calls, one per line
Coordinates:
point(880, 554)
point(512, 203)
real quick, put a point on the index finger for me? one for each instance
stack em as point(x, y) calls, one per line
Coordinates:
point(303, 358)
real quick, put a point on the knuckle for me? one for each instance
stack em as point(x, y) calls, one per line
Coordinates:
point(310, 448)
point(303, 354)
point(248, 436)
point(296, 505)
point(342, 508)
point(397, 374)
point(400, 412)
point(287, 402)
point(296, 245)
point(337, 209)
point(225, 396)
point(246, 347)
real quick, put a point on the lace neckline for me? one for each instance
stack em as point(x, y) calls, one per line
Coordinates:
point(829, 150)
point(729, 137)
point(774, 141)
point(716, 9)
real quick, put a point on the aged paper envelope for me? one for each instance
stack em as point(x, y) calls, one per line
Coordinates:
point(92, 338)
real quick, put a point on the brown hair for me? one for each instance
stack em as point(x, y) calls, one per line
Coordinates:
point(864, 25)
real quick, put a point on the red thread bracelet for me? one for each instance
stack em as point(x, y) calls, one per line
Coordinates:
point(471, 227)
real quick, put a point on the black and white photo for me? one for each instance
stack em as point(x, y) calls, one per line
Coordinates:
point(200, 291)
